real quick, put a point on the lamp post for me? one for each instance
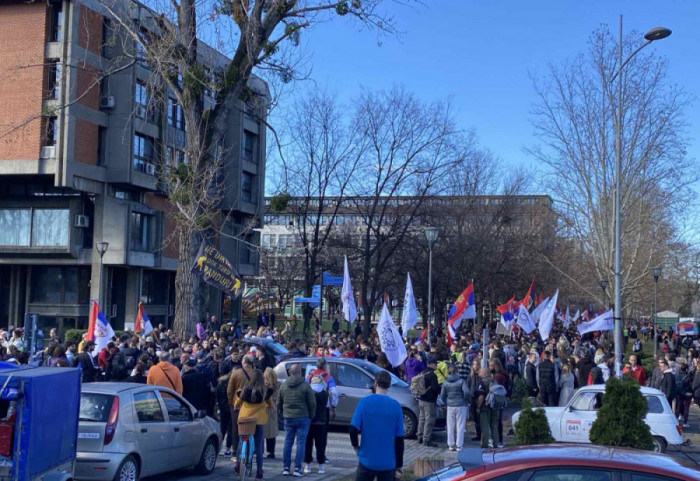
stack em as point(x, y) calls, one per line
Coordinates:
point(656, 272)
point(604, 285)
point(658, 33)
point(431, 233)
point(101, 249)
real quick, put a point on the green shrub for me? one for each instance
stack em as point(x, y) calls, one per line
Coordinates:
point(532, 426)
point(620, 420)
point(75, 335)
point(520, 391)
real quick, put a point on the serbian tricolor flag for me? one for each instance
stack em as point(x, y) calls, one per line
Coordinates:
point(422, 337)
point(528, 300)
point(506, 311)
point(142, 322)
point(451, 334)
point(94, 309)
point(99, 329)
point(463, 308)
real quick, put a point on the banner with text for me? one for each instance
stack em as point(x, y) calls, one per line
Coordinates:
point(217, 270)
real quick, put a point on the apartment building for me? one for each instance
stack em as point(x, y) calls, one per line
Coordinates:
point(81, 162)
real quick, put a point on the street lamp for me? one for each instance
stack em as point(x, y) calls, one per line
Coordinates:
point(604, 286)
point(431, 233)
point(101, 249)
point(656, 272)
point(658, 33)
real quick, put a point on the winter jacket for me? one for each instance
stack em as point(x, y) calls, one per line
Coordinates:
point(473, 382)
point(166, 375)
point(321, 395)
point(441, 372)
point(637, 373)
point(668, 385)
point(696, 387)
point(431, 382)
point(547, 378)
point(413, 368)
point(531, 377)
point(656, 378)
point(584, 367)
point(254, 404)
point(296, 399)
point(455, 392)
point(88, 366)
point(195, 389)
point(500, 355)
point(238, 379)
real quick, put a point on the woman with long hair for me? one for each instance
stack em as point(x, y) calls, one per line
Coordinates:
point(566, 384)
point(271, 427)
point(254, 400)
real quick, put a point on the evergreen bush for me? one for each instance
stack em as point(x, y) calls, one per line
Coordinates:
point(532, 426)
point(520, 391)
point(620, 420)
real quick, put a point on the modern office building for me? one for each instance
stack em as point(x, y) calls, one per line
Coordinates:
point(81, 162)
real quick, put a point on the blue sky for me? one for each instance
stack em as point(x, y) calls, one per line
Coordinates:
point(481, 53)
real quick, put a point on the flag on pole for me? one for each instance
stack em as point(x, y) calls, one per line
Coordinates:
point(537, 313)
point(103, 332)
point(547, 317)
point(528, 300)
point(390, 339)
point(463, 308)
point(347, 297)
point(525, 322)
point(94, 308)
point(576, 316)
point(409, 317)
point(142, 323)
point(567, 318)
point(451, 335)
point(506, 311)
point(422, 337)
point(603, 322)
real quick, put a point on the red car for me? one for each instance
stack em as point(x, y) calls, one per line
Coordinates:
point(566, 462)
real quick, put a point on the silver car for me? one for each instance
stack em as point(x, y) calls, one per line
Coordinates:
point(127, 431)
point(355, 379)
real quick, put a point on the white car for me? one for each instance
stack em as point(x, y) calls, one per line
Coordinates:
point(572, 423)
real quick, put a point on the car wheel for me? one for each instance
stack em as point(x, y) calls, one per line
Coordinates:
point(410, 424)
point(207, 461)
point(128, 470)
point(660, 444)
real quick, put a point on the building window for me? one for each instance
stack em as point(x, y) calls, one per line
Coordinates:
point(246, 254)
point(247, 187)
point(55, 71)
point(51, 131)
point(50, 227)
point(142, 98)
point(154, 287)
point(250, 141)
point(175, 116)
point(101, 145)
point(210, 87)
point(140, 231)
point(15, 227)
point(143, 152)
point(57, 22)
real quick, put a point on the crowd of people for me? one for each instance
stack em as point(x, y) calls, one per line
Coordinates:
point(219, 371)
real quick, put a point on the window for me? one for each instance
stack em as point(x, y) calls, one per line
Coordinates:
point(148, 408)
point(57, 22)
point(51, 131)
point(107, 38)
point(139, 231)
point(245, 253)
point(649, 477)
point(265, 240)
point(142, 98)
point(175, 115)
point(15, 227)
point(143, 152)
point(177, 410)
point(350, 376)
point(101, 145)
point(250, 141)
point(654, 404)
point(247, 187)
point(571, 474)
point(210, 86)
point(95, 407)
point(50, 227)
point(55, 72)
point(60, 285)
point(588, 401)
point(154, 287)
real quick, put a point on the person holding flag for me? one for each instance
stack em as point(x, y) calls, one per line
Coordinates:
point(142, 323)
point(463, 308)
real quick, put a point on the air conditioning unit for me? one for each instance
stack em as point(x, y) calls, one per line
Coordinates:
point(151, 169)
point(82, 221)
point(108, 102)
point(48, 152)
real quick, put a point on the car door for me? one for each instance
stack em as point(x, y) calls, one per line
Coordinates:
point(353, 384)
point(186, 431)
point(577, 419)
point(152, 433)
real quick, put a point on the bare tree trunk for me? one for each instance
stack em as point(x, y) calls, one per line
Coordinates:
point(188, 301)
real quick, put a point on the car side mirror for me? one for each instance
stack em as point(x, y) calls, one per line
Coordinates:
point(571, 408)
point(201, 414)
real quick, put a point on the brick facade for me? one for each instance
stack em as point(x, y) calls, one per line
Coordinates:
point(88, 92)
point(90, 26)
point(86, 142)
point(23, 31)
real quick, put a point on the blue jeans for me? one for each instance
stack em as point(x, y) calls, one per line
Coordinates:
point(259, 443)
point(295, 428)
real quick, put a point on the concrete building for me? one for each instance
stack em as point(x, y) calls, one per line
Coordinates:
point(81, 162)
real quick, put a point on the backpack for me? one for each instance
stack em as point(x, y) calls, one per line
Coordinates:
point(595, 376)
point(637, 346)
point(118, 364)
point(680, 385)
point(496, 398)
point(418, 385)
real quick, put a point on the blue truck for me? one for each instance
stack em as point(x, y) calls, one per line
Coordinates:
point(39, 407)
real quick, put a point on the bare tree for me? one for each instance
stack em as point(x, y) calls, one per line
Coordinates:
point(574, 119)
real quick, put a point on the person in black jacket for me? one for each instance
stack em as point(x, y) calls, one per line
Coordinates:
point(584, 367)
point(194, 386)
point(139, 374)
point(668, 381)
point(87, 363)
point(531, 376)
point(318, 430)
point(224, 412)
point(547, 380)
point(696, 382)
point(426, 404)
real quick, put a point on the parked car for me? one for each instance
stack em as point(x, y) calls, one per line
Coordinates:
point(272, 348)
point(565, 462)
point(127, 431)
point(355, 380)
point(573, 422)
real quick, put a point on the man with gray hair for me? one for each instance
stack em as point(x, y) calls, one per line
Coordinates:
point(165, 374)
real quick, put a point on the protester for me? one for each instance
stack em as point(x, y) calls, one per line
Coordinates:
point(488, 416)
point(139, 374)
point(86, 362)
point(298, 404)
point(547, 380)
point(195, 388)
point(684, 393)
point(239, 378)
point(474, 381)
point(668, 381)
point(318, 431)
point(426, 402)
point(253, 401)
point(456, 396)
point(271, 428)
point(566, 385)
point(635, 370)
point(224, 413)
point(164, 374)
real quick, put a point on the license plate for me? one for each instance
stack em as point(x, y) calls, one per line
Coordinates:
point(88, 435)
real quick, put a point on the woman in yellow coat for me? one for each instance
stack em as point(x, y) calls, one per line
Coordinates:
point(271, 428)
point(254, 400)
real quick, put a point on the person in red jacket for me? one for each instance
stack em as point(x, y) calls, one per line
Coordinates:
point(635, 370)
point(104, 355)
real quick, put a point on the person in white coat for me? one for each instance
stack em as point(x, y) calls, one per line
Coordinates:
point(566, 385)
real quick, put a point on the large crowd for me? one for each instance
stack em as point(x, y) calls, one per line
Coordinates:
point(218, 370)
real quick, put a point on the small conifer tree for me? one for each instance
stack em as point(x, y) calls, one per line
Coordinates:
point(532, 426)
point(620, 420)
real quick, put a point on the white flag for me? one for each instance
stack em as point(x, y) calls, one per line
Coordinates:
point(576, 316)
point(103, 332)
point(409, 318)
point(538, 311)
point(390, 339)
point(567, 318)
point(603, 322)
point(525, 322)
point(547, 317)
point(347, 297)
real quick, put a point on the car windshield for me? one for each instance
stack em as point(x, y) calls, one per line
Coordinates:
point(95, 407)
point(374, 369)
